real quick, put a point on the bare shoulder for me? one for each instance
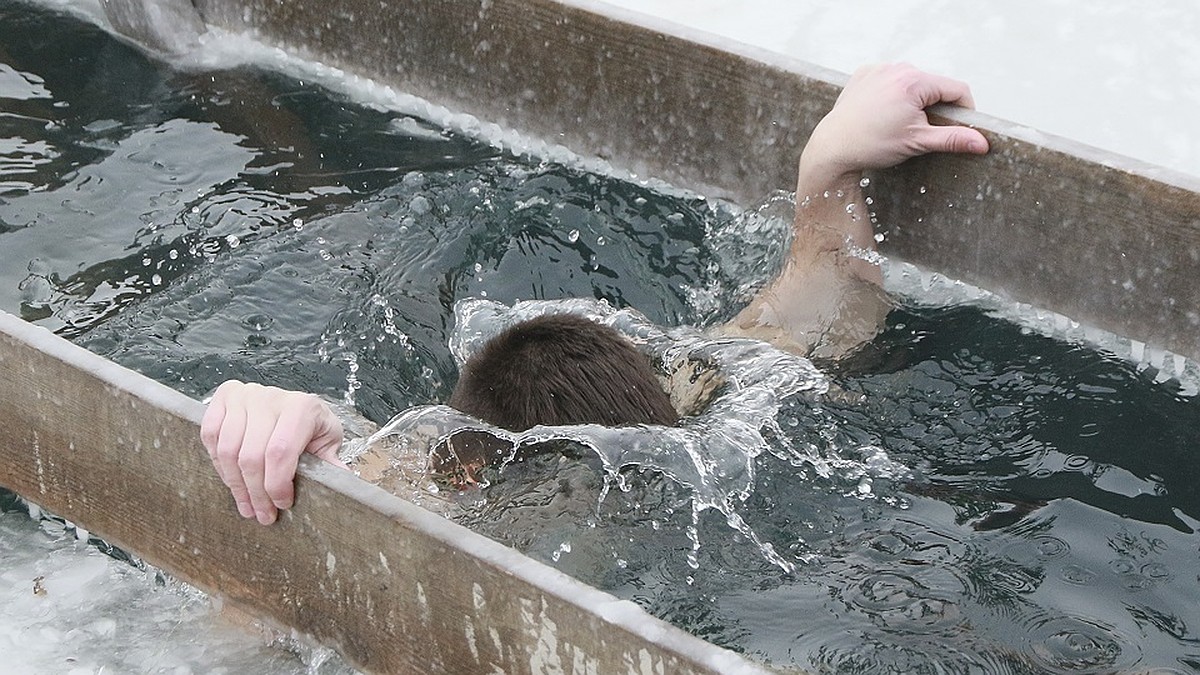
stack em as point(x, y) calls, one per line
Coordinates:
point(397, 464)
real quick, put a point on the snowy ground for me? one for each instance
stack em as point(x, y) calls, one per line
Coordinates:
point(1121, 76)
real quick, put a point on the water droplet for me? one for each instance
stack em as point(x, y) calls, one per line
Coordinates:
point(233, 241)
point(864, 487)
point(257, 322)
point(922, 189)
point(420, 205)
point(864, 182)
point(573, 236)
point(1076, 575)
point(298, 224)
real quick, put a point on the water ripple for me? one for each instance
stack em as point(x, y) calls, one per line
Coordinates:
point(1068, 644)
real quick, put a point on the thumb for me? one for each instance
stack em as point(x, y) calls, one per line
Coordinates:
point(952, 139)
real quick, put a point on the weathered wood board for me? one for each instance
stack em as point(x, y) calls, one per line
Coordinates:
point(394, 588)
point(1102, 239)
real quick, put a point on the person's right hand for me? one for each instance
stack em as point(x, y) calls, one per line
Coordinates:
point(879, 121)
point(255, 436)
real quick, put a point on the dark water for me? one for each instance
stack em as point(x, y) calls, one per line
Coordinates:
point(197, 226)
point(1048, 524)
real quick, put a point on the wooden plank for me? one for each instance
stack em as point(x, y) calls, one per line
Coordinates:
point(392, 587)
point(684, 111)
point(1092, 235)
point(1108, 241)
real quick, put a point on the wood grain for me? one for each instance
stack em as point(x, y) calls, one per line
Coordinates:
point(394, 588)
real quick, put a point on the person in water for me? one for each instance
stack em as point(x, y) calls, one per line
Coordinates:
point(562, 369)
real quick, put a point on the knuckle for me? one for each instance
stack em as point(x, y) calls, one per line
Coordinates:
point(958, 141)
point(227, 453)
point(311, 404)
point(227, 388)
point(249, 464)
point(277, 450)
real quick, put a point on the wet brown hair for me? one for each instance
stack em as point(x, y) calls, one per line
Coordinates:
point(561, 369)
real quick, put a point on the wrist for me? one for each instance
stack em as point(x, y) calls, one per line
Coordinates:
point(820, 173)
point(824, 164)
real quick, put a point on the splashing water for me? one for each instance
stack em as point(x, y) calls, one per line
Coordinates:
point(711, 454)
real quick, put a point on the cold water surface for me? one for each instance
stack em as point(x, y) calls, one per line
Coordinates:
point(1046, 524)
point(201, 225)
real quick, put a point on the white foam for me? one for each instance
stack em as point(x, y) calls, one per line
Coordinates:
point(921, 287)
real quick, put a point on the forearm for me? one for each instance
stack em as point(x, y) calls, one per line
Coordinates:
point(827, 300)
point(833, 226)
point(829, 290)
point(821, 285)
point(878, 121)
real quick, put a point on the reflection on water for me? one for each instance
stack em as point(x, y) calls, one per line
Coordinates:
point(239, 223)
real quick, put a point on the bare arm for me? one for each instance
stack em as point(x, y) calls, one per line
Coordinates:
point(827, 300)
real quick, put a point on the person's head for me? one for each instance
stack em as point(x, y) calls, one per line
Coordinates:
point(561, 369)
point(556, 369)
